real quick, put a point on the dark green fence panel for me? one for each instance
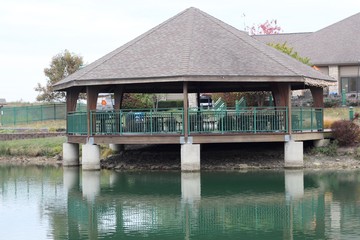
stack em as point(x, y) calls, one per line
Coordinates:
point(33, 113)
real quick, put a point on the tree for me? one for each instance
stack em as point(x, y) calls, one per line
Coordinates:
point(289, 51)
point(268, 27)
point(137, 100)
point(62, 65)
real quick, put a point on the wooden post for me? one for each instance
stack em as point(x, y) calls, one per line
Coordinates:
point(118, 97)
point(198, 99)
point(282, 98)
point(317, 94)
point(287, 93)
point(186, 104)
point(71, 99)
point(318, 98)
point(92, 95)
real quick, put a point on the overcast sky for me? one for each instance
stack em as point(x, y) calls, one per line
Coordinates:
point(33, 31)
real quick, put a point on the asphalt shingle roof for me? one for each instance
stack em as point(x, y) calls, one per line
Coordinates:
point(336, 44)
point(189, 45)
point(289, 38)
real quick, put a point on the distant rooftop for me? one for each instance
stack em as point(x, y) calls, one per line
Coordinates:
point(337, 44)
point(2, 101)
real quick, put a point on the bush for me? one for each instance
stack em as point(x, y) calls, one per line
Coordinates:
point(171, 104)
point(352, 102)
point(332, 102)
point(330, 150)
point(346, 132)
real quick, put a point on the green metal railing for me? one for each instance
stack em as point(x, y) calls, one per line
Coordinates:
point(246, 120)
point(307, 119)
point(136, 121)
point(170, 121)
point(77, 123)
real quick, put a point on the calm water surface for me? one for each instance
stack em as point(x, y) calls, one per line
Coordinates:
point(56, 203)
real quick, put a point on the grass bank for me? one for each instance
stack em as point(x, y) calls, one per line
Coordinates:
point(339, 113)
point(48, 126)
point(48, 147)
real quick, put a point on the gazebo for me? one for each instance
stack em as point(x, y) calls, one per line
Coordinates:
point(192, 53)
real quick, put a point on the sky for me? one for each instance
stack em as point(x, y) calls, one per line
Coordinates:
point(33, 31)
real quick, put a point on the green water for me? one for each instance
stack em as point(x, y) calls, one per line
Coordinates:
point(56, 203)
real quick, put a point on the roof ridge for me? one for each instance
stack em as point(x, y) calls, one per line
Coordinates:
point(185, 58)
point(290, 33)
point(335, 23)
point(120, 49)
point(247, 42)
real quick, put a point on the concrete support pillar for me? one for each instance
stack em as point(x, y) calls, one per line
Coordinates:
point(190, 157)
point(116, 147)
point(190, 187)
point(90, 157)
point(70, 154)
point(321, 142)
point(294, 184)
point(114, 177)
point(294, 154)
point(90, 184)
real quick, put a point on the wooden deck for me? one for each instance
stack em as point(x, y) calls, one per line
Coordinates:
point(197, 138)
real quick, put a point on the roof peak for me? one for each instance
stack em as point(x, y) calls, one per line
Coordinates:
point(190, 44)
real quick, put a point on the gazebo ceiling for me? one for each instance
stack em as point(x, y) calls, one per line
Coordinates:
point(197, 48)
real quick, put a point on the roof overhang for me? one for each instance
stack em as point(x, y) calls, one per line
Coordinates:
point(197, 83)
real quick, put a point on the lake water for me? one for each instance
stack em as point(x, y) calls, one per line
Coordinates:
point(55, 203)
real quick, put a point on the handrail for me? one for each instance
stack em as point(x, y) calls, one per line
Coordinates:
point(170, 121)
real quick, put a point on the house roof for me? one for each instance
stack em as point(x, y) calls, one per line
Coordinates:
point(192, 46)
point(336, 44)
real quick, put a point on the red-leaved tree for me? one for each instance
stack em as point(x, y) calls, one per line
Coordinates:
point(268, 27)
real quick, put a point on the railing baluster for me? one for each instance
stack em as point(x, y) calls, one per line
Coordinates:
point(254, 127)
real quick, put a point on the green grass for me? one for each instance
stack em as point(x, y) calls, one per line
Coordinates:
point(339, 113)
point(51, 126)
point(32, 147)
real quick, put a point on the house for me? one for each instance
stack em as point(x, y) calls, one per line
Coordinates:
point(334, 50)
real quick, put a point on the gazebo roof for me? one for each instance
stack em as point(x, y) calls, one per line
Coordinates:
point(195, 47)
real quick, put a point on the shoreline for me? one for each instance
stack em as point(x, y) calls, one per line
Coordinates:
point(158, 157)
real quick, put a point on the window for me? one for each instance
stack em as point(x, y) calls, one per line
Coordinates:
point(350, 84)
